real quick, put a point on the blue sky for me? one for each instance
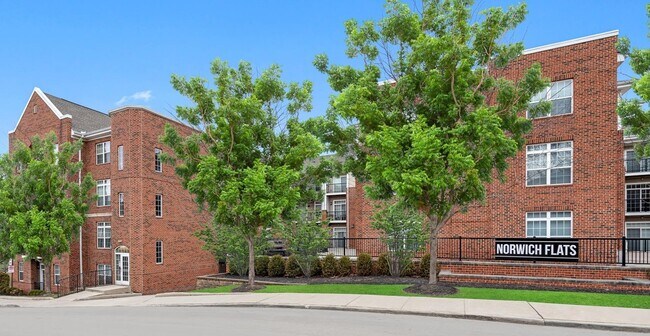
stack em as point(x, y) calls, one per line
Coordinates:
point(103, 54)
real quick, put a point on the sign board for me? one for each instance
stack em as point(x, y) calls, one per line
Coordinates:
point(10, 269)
point(539, 249)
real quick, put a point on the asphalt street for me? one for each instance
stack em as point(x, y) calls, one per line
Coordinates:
point(186, 321)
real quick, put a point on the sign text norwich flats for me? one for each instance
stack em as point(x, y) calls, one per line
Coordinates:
point(555, 249)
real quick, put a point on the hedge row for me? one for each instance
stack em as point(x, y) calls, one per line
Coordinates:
point(4, 286)
point(330, 266)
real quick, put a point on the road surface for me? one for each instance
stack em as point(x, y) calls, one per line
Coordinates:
point(189, 321)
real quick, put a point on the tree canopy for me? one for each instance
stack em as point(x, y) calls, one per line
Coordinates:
point(442, 123)
point(246, 162)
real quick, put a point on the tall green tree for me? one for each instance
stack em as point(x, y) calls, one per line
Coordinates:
point(246, 164)
point(444, 123)
point(635, 116)
point(305, 237)
point(43, 201)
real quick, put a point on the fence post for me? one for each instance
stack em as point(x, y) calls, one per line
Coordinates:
point(344, 245)
point(624, 251)
point(460, 248)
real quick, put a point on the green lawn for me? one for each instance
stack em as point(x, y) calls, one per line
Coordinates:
point(578, 298)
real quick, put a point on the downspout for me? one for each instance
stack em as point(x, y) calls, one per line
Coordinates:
point(81, 258)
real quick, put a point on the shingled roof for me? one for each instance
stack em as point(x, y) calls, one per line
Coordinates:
point(84, 119)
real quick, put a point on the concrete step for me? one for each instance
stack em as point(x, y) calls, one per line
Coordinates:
point(110, 290)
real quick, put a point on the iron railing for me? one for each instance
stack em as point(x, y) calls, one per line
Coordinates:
point(336, 187)
point(591, 250)
point(335, 215)
point(79, 282)
point(637, 165)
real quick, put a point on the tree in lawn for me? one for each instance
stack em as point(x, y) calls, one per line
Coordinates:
point(635, 117)
point(43, 201)
point(246, 163)
point(444, 123)
point(305, 237)
point(402, 231)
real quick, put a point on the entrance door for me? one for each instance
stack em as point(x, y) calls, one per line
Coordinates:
point(122, 268)
point(41, 276)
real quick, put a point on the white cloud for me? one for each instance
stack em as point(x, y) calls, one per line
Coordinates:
point(142, 95)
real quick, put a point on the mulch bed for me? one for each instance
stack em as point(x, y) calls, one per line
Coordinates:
point(248, 288)
point(366, 280)
point(435, 290)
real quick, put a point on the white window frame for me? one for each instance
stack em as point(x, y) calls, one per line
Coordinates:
point(546, 95)
point(159, 251)
point(547, 151)
point(156, 206)
point(104, 199)
point(645, 186)
point(103, 237)
point(120, 157)
point(21, 271)
point(103, 151)
point(104, 272)
point(157, 161)
point(57, 274)
point(548, 220)
point(120, 204)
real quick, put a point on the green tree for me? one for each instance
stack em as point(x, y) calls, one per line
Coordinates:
point(43, 200)
point(402, 230)
point(305, 238)
point(635, 116)
point(246, 165)
point(445, 123)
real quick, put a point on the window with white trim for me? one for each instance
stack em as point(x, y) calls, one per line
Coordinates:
point(159, 252)
point(549, 224)
point(549, 163)
point(120, 157)
point(158, 205)
point(21, 271)
point(560, 94)
point(103, 193)
point(57, 274)
point(105, 274)
point(103, 152)
point(120, 204)
point(638, 235)
point(637, 198)
point(103, 235)
point(157, 163)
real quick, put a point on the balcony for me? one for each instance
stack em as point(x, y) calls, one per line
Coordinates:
point(637, 206)
point(637, 166)
point(313, 215)
point(337, 215)
point(336, 188)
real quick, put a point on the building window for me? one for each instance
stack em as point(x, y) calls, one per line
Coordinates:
point(103, 235)
point(638, 236)
point(57, 274)
point(120, 202)
point(549, 163)
point(103, 152)
point(103, 193)
point(156, 159)
point(21, 271)
point(158, 205)
point(549, 224)
point(560, 94)
point(104, 274)
point(637, 198)
point(120, 157)
point(159, 252)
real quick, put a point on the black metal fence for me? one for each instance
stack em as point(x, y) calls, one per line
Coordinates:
point(591, 250)
point(637, 165)
point(80, 282)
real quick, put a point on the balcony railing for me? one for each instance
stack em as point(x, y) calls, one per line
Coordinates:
point(336, 187)
point(337, 215)
point(313, 215)
point(637, 165)
point(637, 205)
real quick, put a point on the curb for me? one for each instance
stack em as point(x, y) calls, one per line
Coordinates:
point(542, 321)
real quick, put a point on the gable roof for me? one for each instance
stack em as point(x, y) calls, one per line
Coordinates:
point(84, 119)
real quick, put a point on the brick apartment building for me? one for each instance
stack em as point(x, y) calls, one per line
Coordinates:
point(577, 176)
point(139, 231)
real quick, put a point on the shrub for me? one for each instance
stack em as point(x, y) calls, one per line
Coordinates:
point(382, 265)
point(292, 269)
point(4, 279)
point(11, 291)
point(424, 265)
point(364, 264)
point(316, 268)
point(276, 266)
point(345, 266)
point(35, 292)
point(262, 265)
point(330, 266)
point(410, 269)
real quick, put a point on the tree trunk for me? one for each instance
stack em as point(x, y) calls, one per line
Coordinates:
point(433, 262)
point(251, 261)
point(47, 283)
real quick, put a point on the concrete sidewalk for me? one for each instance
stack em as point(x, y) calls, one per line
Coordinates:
point(624, 319)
